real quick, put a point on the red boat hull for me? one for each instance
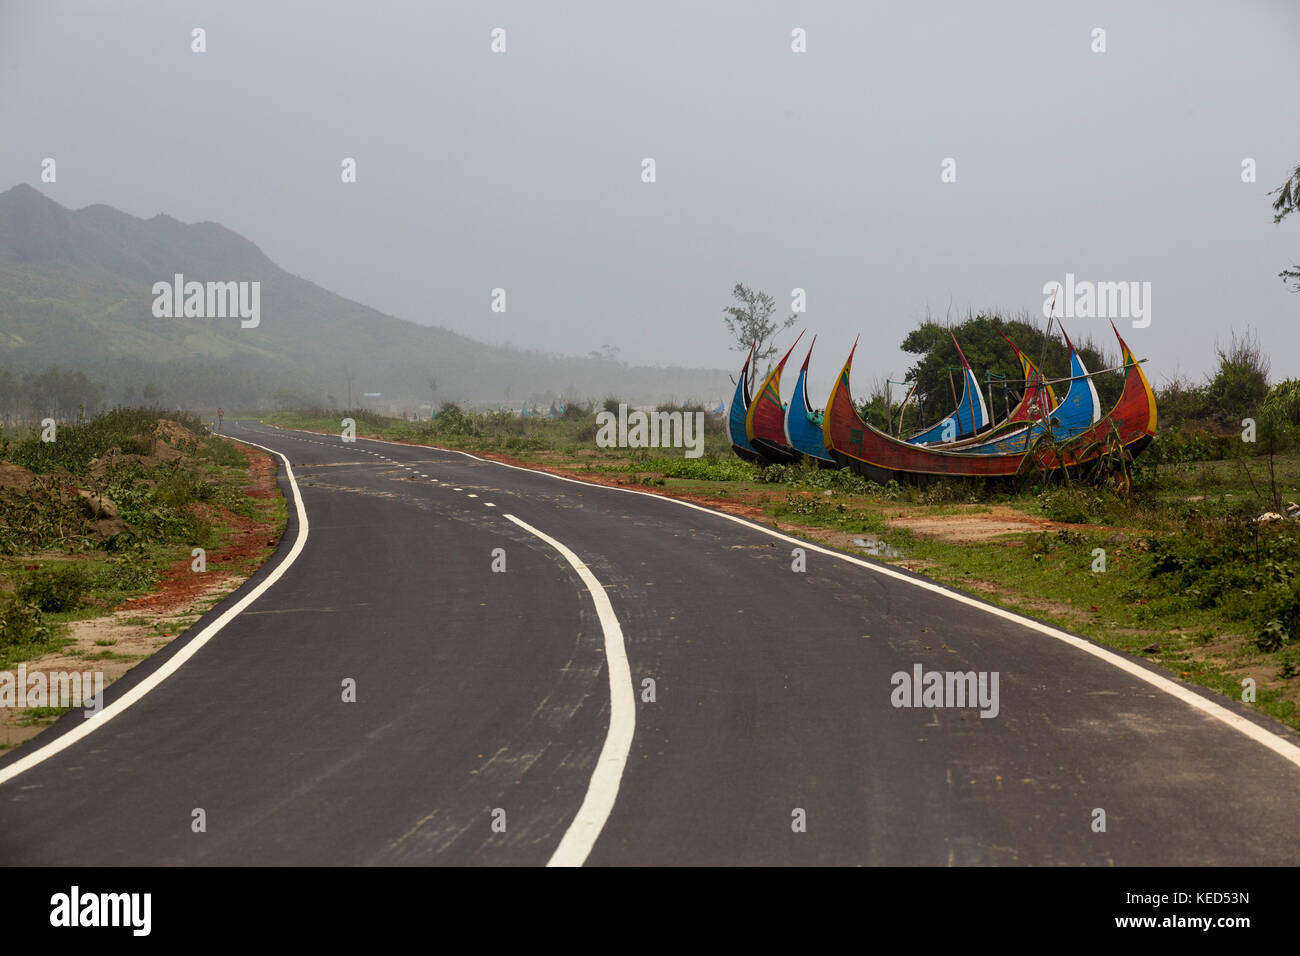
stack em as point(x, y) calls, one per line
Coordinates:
point(871, 453)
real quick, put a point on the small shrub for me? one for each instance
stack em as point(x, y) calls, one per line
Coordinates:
point(20, 622)
point(1068, 505)
point(453, 420)
point(1271, 636)
point(128, 571)
point(54, 589)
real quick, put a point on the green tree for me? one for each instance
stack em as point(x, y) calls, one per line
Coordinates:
point(1241, 382)
point(1288, 197)
point(1279, 422)
point(936, 370)
point(751, 322)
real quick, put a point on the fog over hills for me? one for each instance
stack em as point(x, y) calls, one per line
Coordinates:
point(77, 291)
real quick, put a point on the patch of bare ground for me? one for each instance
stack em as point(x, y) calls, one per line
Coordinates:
point(975, 524)
point(966, 527)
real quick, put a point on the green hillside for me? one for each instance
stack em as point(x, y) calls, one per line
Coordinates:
point(76, 292)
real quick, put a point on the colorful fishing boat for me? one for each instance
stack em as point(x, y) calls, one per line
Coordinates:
point(739, 412)
point(803, 425)
point(1038, 394)
point(970, 417)
point(765, 425)
point(1075, 414)
point(870, 452)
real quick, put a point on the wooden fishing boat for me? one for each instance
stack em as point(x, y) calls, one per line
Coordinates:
point(870, 452)
point(765, 425)
point(1075, 414)
point(803, 425)
point(969, 418)
point(739, 412)
point(1036, 396)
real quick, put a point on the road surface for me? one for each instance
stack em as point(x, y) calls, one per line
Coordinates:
point(486, 729)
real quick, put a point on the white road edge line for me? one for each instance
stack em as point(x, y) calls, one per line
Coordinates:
point(602, 790)
point(1281, 746)
point(92, 724)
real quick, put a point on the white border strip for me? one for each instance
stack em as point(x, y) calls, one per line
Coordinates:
point(173, 664)
point(1281, 746)
point(602, 790)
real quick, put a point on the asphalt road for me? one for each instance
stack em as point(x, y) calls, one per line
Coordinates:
point(484, 700)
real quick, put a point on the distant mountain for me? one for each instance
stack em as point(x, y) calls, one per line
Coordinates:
point(76, 291)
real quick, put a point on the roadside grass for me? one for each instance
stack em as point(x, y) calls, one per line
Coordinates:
point(40, 716)
point(57, 567)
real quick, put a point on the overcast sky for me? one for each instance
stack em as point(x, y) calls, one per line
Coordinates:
point(818, 170)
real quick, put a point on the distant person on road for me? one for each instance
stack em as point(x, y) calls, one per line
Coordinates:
point(220, 415)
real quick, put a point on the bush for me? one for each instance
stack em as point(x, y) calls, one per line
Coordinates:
point(1279, 608)
point(1187, 443)
point(163, 514)
point(701, 469)
point(178, 486)
point(453, 420)
point(1271, 636)
point(20, 622)
point(1250, 571)
point(1069, 505)
point(1242, 379)
point(845, 480)
point(1180, 401)
point(57, 588)
point(38, 518)
point(128, 567)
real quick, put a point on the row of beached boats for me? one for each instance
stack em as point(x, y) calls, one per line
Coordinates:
point(1044, 432)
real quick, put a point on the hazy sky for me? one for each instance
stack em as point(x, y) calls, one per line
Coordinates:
point(819, 170)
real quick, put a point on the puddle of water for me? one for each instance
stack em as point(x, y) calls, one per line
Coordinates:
point(876, 548)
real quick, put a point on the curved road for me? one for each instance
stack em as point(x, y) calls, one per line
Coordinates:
point(484, 700)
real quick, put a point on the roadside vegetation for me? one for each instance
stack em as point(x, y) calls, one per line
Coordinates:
point(103, 513)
